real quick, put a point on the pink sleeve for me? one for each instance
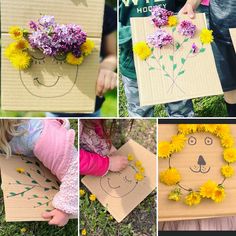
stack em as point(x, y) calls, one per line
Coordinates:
point(205, 2)
point(93, 164)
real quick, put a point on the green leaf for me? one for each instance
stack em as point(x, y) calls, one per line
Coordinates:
point(18, 182)
point(12, 194)
point(37, 164)
point(39, 203)
point(34, 182)
point(27, 188)
point(160, 57)
point(38, 171)
point(177, 46)
point(48, 210)
point(27, 173)
point(181, 72)
point(46, 189)
point(166, 75)
point(174, 66)
point(54, 187)
point(47, 204)
point(22, 194)
point(163, 67)
point(173, 29)
point(48, 181)
point(35, 196)
point(183, 60)
point(186, 40)
point(171, 58)
point(202, 50)
point(151, 68)
point(46, 197)
point(29, 162)
point(152, 49)
point(153, 57)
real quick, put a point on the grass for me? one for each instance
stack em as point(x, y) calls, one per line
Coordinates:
point(142, 220)
point(213, 106)
point(37, 228)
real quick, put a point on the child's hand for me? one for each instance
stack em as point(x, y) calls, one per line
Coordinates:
point(56, 217)
point(107, 80)
point(190, 7)
point(118, 163)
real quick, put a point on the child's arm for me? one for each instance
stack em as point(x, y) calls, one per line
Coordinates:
point(190, 7)
point(65, 201)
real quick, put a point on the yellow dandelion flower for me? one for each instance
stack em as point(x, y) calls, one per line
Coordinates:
point(187, 128)
point(22, 44)
point(20, 170)
point(16, 32)
point(206, 36)
point(139, 176)
point(222, 130)
point(23, 230)
point(138, 164)
point(178, 142)
point(84, 232)
point(11, 50)
point(141, 169)
point(230, 155)
point(164, 149)
point(172, 20)
point(21, 60)
point(82, 192)
point(92, 197)
point(170, 176)
point(227, 141)
point(207, 189)
point(192, 198)
point(87, 47)
point(175, 195)
point(142, 50)
point(201, 127)
point(227, 171)
point(111, 217)
point(219, 194)
point(71, 59)
point(211, 128)
point(130, 157)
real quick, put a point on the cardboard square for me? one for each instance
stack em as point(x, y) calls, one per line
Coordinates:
point(125, 195)
point(50, 84)
point(200, 77)
point(233, 37)
point(183, 161)
point(26, 195)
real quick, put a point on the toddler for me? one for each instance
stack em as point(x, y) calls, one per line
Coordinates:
point(96, 149)
point(52, 142)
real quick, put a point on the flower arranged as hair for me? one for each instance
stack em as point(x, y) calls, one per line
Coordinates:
point(139, 176)
point(52, 39)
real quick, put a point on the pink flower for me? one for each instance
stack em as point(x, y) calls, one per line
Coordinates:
point(194, 48)
point(160, 16)
point(186, 28)
point(160, 38)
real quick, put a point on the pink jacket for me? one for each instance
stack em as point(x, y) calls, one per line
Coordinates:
point(92, 162)
point(55, 147)
point(205, 2)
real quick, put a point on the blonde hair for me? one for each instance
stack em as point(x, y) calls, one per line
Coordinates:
point(8, 128)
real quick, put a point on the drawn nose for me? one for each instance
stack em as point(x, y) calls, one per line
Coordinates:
point(201, 161)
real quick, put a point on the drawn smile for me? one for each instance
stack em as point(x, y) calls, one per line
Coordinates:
point(48, 86)
point(108, 181)
point(202, 166)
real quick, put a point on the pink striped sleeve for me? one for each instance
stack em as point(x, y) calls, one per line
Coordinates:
point(93, 164)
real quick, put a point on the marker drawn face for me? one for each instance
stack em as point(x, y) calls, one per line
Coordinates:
point(119, 184)
point(49, 77)
point(200, 160)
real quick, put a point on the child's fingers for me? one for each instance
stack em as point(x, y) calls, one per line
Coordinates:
point(48, 215)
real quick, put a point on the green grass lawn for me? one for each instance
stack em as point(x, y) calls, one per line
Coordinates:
point(213, 106)
point(95, 219)
point(37, 228)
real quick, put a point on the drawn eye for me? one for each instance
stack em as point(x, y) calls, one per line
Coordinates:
point(192, 140)
point(38, 59)
point(60, 59)
point(127, 180)
point(208, 141)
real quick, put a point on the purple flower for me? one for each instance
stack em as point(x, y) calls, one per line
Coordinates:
point(47, 21)
point(186, 28)
point(160, 16)
point(194, 48)
point(160, 38)
point(33, 25)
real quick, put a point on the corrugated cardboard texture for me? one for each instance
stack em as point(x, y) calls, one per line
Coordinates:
point(41, 184)
point(200, 77)
point(233, 37)
point(52, 86)
point(188, 157)
point(126, 193)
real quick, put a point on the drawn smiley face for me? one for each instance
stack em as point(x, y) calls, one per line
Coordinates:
point(49, 77)
point(200, 160)
point(119, 184)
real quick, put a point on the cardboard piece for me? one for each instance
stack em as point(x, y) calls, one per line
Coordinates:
point(186, 162)
point(233, 37)
point(26, 195)
point(50, 84)
point(119, 192)
point(195, 77)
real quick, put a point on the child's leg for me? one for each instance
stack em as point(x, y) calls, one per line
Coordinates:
point(180, 109)
point(132, 95)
